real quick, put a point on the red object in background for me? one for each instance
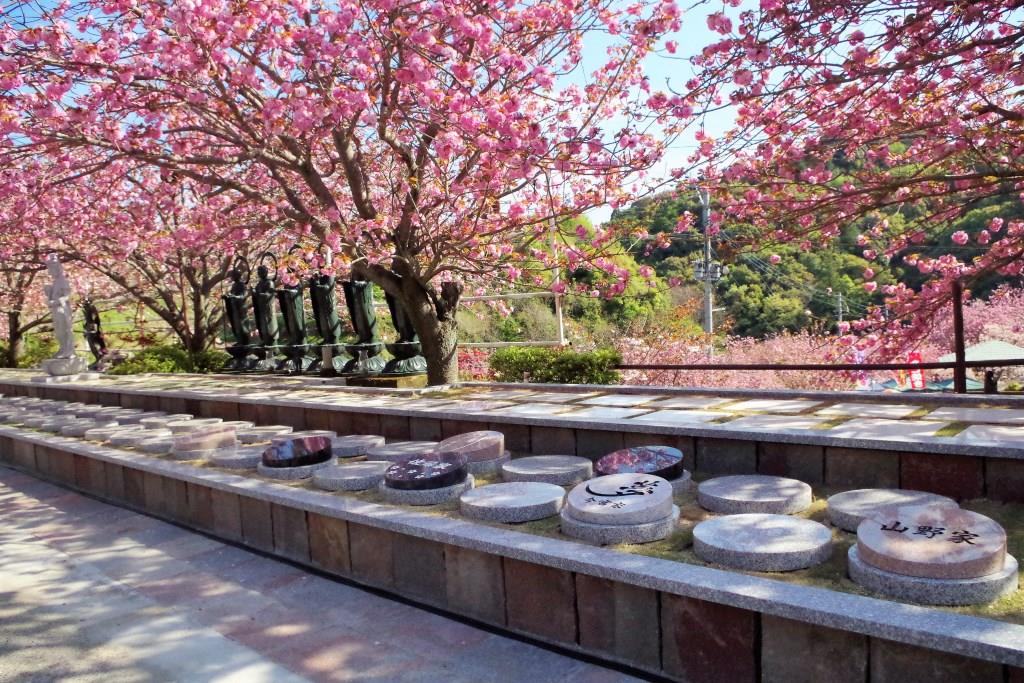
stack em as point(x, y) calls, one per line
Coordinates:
point(916, 376)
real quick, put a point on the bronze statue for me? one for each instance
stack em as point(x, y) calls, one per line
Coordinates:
point(263, 296)
point(328, 324)
point(293, 313)
point(366, 351)
point(94, 334)
point(236, 311)
point(407, 350)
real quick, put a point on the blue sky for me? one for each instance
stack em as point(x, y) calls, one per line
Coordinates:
point(660, 68)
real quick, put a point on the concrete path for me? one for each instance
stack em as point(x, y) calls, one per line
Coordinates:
point(93, 592)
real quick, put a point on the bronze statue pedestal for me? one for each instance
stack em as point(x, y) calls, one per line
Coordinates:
point(372, 365)
point(336, 357)
point(296, 359)
point(242, 358)
point(407, 359)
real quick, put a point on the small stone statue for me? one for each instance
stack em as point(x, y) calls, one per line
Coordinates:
point(328, 325)
point(58, 295)
point(94, 333)
point(293, 313)
point(263, 296)
point(236, 304)
point(359, 300)
point(406, 351)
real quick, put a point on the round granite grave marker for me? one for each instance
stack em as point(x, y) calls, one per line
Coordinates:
point(427, 471)
point(160, 445)
point(296, 458)
point(247, 458)
point(762, 542)
point(953, 592)
point(621, 499)
point(161, 422)
point(137, 418)
point(128, 437)
point(355, 445)
point(475, 446)
point(261, 434)
point(512, 502)
point(327, 433)
point(661, 461)
point(103, 434)
point(355, 476)
point(563, 470)
point(933, 541)
point(434, 496)
point(401, 450)
point(848, 509)
point(192, 425)
point(754, 493)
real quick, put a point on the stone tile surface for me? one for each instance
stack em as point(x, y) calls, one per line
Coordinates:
point(772, 405)
point(129, 598)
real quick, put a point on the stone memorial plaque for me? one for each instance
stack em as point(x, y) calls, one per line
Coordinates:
point(621, 499)
point(160, 445)
point(660, 461)
point(241, 459)
point(933, 541)
point(848, 509)
point(298, 452)
point(355, 445)
point(208, 438)
point(512, 502)
point(428, 471)
point(401, 450)
point(261, 434)
point(564, 470)
point(762, 542)
point(476, 446)
point(192, 424)
point(751, 493)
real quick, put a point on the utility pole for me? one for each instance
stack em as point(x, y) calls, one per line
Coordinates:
point(707, 270)
point(839, 306)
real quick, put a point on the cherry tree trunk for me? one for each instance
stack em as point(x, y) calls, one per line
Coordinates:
point(15, 340)
point(440, 347)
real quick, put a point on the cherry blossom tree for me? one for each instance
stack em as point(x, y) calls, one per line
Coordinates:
point(429, 145)
point(897, 117)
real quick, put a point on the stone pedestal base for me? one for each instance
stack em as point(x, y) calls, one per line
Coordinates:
point(426, 496)
point(65, 366)
point(489, 468)
point(292, 473)
point(407, 359)
point(614, 534)
point(60, 379)
point(974, 591)
point(373, 365)
point(396, 382)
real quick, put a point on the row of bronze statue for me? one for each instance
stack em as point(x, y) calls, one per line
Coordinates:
point(288, 350)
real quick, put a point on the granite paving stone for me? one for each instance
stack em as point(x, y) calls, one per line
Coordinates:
point(775, 423)
point(964, 414)
point(894, 411)
point(677, 417)
point(621, 400)
point(772, 405)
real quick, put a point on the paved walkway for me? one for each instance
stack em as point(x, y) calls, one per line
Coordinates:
point(93, 592)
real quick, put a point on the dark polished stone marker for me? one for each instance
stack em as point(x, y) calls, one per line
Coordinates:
point(661, 461)
point(303, 450)
point(432, 471)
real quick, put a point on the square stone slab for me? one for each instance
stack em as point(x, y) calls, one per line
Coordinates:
point(933, 541)
point(601, 413)
point(771, 405)
point(759, 423)
point(677, 417)
point(689, 402)
point(1001, 435)
point(621, 400)
point(993, 415)
point(893, 411)
point(889, 430)
point(530, 410)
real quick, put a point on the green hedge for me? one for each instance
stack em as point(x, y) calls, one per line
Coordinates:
point(555, 366)
point(169, 358)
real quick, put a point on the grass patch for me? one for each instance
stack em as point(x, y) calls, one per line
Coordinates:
point(922, 411)
point(953, 428)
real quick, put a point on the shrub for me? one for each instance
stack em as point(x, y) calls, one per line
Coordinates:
point(37, 349)
point(210, 360)
point(555, 366)
point(164, 358)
